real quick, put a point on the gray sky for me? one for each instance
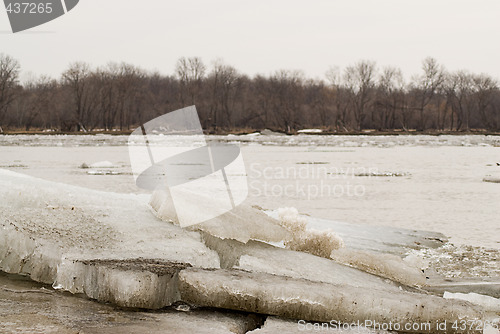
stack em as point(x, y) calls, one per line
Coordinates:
point(263, 36)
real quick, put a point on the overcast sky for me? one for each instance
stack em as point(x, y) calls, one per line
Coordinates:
point(264, 36)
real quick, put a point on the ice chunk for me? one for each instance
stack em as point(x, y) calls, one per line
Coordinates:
point(15, 250)
point(488, 286)
point(314, 301)
point(384, 265)
point(265, 258)
point(383, 174)
point(310, 131)
point(43, 223)
point(241, 223)
point(102, 172)
point(486, 302)
point(143, 283)
point(102, 164)
point(382, 239)
point(244, 223)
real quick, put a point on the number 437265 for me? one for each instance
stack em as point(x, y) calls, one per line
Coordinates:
point(29, 8)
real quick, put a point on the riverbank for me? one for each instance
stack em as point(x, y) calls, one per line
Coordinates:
point(318, 132)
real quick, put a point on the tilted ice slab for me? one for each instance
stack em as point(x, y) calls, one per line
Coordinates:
point(380, 239)
point(385, 265)
point(487, 302)
point(264, 258)
point(484, 286)
point(314, 301)
point(328, 244)
point(52, 232)
point(242, 223)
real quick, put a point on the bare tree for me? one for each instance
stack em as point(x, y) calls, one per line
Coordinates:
point(223, 83)
point(122, 95)
point(340, 96)
point(459, 90)
point(288, 93)
point(318, 99)
point(389, 98)
point(426, 86)
point(107, 97)
point(77, 79)
point(263, 99)
point(127, 79)
point(485, 88)
point(36, 99)
point(9, 76)
point(190, 72)
point(359, 80)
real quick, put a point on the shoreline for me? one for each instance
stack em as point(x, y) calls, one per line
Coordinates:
point(246, 132)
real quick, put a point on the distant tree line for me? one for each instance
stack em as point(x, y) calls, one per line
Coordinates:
point(361, 96)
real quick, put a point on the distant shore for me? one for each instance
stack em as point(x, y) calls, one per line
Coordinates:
point(268, 132)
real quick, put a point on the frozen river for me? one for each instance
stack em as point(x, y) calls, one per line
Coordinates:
point(419, 182)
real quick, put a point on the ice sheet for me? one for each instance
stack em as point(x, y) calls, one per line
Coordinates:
point(44, 223)
point(241, 223)
point(383, 239)
point(261, 257)
point(384, 265)
point(307, 300)
point(486, 302)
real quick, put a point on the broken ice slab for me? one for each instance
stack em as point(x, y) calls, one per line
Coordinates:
point(241, 223)
point(384, 265)
point(488, 303)
point(314, 301)
point(261, 257)
point(139, 283)
point(42, 223)
point(244, 223)
point(488, 286)
point(381, 239)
